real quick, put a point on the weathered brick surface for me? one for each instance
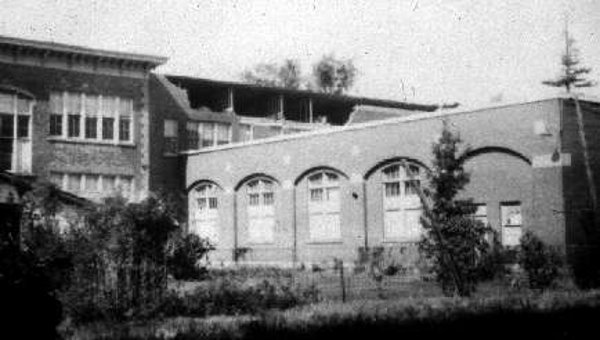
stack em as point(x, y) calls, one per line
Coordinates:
point(502, 171)
point(576, 188)
point(69, 156)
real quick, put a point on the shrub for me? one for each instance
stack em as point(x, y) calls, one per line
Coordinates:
point(540, 262)
point(231, 297)
point(492, 264)
point(183, 260)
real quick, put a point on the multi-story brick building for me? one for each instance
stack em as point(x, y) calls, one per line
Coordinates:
point(98, 123)
point(282, 175)
point(76, 116)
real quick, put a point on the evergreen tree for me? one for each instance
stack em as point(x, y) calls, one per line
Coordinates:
point(453, 240)
point(572, 74)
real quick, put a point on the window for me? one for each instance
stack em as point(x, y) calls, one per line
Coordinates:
point(324, 207)
point(56, 114)
point(212, 134)
point(74, 182)
point(23, 126)
point(125, 123)
point(92, 183)
point(109, 108)
point(223, 134)
point(109, 184)
point(261, 211)
point(124, 129)
point(402, 205)
point(481, 214)
point(108, 128)
point(192, 136)
point(73, 114)
point(125, 186)
point(171, 134)
point(245, 132)
point(6, 125)
point(510, 213)
point(204, 212)
point(91, 127)
point(73, 125)
point(207, 134)
point(91, 117)
point(7, 116)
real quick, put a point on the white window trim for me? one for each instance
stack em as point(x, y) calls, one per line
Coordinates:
point(403, 203)
point(261, 210)
point(323, 209)
point(99, 123)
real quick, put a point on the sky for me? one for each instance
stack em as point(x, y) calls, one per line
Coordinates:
point(425, 51)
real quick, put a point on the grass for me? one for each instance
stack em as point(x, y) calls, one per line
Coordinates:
point(548, 314)
point(396, 305)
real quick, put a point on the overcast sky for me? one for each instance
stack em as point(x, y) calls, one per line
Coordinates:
point(429, 51)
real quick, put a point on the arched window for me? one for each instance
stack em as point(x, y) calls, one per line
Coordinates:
point(261, 210)
point(204, 205)
point(324, 206)
point(402, 205)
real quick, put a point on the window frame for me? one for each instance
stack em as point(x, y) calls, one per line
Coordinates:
point(90, 118)
point(207, 216)
point(263, 189)
point(403, 205)
point(511, 227)
point(327, 206)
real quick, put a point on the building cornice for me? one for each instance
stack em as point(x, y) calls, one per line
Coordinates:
point(62, 56)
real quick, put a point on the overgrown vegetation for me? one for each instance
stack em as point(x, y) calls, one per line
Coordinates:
point(541, 315)
point(541, 262)
point(110, 262)
point(226, 296)
point(183, 259)
point(453, 240)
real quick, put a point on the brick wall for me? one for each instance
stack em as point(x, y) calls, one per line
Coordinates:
point(510, 166)
point(576, 189)
point(85, 157)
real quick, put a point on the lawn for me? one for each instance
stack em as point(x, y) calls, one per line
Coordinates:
point(396, 305)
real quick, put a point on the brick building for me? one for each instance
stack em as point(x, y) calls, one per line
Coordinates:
point(75, 116)
point(329, 193)
point(280, 176)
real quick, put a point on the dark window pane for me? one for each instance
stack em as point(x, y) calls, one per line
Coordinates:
point(55, 125)
point(23, 126)
point(108, 128)
point(91, 127)
point(6, 125)
point(124, 128)
point(73, 125)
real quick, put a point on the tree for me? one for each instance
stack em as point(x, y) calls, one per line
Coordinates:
point(287, 75)
point(329, 75)
point(572, 74)
point(333, 75)
point(453, 240)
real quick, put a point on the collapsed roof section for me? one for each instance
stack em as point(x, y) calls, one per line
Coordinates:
point(202, 96)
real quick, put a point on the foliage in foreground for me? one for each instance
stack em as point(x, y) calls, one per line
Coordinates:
point(453, 240)
point(545, 315)
point(541, 262)
point(183, 259)
point(230, 297)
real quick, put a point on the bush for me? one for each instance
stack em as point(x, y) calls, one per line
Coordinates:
point(540, 262)
point(492, 264)
point(230, 297)
point(186, 253)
